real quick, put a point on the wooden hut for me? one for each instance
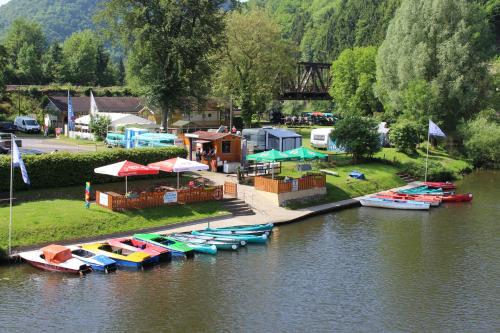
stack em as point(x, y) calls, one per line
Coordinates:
point(215, 148)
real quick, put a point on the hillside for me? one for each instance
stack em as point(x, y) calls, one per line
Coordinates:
point(59, 18)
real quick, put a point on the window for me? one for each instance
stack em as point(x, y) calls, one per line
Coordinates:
point(319, 137)
point(226, 147)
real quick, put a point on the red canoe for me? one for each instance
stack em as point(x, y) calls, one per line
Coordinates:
point(431, 199)
point(458, 197)
point(442, 185)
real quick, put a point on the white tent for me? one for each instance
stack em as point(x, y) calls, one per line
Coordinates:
point(119, 119)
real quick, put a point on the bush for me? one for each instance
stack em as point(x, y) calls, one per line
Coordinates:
point(68, 169)
point(435, 171)
point(482, 140)
point(357, 136)
point(405, 136)
point(99, 126)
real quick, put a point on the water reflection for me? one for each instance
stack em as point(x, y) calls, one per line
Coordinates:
point(358, 270)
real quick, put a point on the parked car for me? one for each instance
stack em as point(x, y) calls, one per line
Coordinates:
point(27, 124)
point(7, 127)
point(5, 142)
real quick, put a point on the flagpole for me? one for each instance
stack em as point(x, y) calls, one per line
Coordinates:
point(427, 157)
point(11, 189)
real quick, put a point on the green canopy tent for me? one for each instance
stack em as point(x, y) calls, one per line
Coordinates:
point(272, 155)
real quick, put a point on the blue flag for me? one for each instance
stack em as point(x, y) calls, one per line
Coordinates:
point(434, 130)
point(17, 161)
point(71, 114)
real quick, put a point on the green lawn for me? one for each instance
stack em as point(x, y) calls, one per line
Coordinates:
point(55, 220)
point(379, 177)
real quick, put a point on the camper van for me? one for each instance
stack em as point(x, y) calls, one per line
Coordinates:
point(27, 124)
point(320, 137)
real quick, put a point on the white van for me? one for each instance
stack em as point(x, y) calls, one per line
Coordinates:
point(320, 137)
point(27, 124)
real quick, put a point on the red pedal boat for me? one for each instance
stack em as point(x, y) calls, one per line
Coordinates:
point(445, 186)
point(458, 197)
point(431, 199)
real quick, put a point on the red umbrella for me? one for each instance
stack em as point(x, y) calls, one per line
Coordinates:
point(125, 169)
point(317, 113)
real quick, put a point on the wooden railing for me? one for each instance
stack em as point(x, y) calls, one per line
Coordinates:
point(267, 184)
point(118, 202)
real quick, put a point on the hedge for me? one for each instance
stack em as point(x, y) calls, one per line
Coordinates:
point(68, 169)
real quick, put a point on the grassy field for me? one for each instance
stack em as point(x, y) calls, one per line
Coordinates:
point(56, 220)
point(379, 177)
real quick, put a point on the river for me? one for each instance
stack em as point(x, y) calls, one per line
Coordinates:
point(359, 270)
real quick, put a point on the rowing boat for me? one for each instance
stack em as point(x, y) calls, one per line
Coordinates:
point(230, 246)
point(124, 258)
point(442, 185)
point(254, 227)
point(249, 238)
point(458, 197)
point(394, 204)
point(227, 240)
point(97, 262)
point(422, 190)
point(178, 249)
point(231, 233)
point(56, 258)
point(433, 200)
point(156, 252)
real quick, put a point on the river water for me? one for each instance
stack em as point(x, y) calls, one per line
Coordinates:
point(359, 270)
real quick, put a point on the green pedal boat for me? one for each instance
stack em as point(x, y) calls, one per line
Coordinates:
point(178, 249)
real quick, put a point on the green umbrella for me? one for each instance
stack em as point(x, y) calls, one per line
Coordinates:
point(304, 154)
point(272, 155)
point(269, 156)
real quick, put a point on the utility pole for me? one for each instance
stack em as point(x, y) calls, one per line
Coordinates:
point(230, 112)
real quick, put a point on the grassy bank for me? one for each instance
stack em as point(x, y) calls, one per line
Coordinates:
point(379, 177)
point(56, 220)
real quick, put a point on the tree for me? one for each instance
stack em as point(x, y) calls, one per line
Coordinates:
point(99, 126)
point(4, 61)
point(251, 61)
point(80, 53)
point(168, 45)
point(53, 64)
point(357, 135)
point(444, 43)
point(482, 139)
point(405, 136)
point(25, 44)
point(353, 77)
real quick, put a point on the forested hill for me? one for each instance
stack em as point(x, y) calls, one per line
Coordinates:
point(323, 28)
point(59, 18)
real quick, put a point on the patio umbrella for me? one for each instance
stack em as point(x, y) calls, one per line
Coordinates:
point(178, 165)
point(304, 154)
point(125, 169)
point(272, 155)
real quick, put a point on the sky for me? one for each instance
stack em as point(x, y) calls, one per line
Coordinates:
point(3, 1)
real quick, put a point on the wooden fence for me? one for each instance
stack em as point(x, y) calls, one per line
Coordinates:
point(118, 202)
point(267, 184)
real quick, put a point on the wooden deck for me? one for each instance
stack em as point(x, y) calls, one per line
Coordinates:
point(280, 185)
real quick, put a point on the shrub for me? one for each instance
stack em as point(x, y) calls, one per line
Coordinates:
point(357, 136)
point(435, 172)
point(405, 136)
point(99, 126)
point(482, 140)
point(68, 169)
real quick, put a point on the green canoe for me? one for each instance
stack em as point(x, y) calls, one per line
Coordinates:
point(177, 248)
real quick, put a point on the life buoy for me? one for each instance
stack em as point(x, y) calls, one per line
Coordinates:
point(217, 194)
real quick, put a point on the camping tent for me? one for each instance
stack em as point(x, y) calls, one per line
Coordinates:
point(282, 140)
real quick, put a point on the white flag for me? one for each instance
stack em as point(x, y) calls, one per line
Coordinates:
point(17, 161)
point(434, 130)
point(93, 105)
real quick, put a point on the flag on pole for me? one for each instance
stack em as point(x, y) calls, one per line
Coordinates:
point(93, 105)
point(434, 130)
point(71, 114)
point(17, 161)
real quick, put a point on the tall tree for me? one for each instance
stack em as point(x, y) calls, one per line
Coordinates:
point(52, 64)
point(353, 78)
point(4, 61)
point(168, 43)
point(444, 44)
point(25, 43)
point(252, 60)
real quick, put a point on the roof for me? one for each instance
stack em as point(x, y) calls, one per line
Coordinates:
point(210, 136)
point(281, 133)
point(105, 104)
point(118, 119)
point(182, 123)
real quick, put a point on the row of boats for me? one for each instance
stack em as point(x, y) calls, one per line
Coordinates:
point(143, 250)
point(430, 194)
